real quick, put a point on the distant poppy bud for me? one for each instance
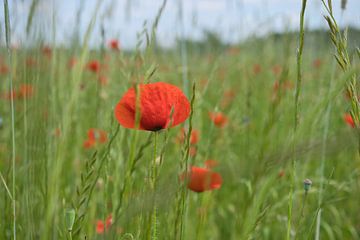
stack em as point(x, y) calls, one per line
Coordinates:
point(158, 102)
point(349, 120)
point(202, 179)
point(219, 119)
point(69, 219)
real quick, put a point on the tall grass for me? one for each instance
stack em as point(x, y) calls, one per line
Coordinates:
point(278, 131)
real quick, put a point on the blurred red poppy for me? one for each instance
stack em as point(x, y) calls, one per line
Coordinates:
point(349, 120)
point(202, 179)
point(95, 136)
point(257, 68)
point(211, 163)
point(72, 62)
point(47, 51)
point(7, 95)
point(103, 80)
point(158, 102)
point(25, 91)
point(93, 66)
point(114, 44)
point(276, 69)
point(194, 138)
point(3, 68)
point(218, 118)
point(317, 63)
point(101, 227)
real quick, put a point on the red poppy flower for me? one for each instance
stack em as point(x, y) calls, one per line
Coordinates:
point(25, 91)
point(114, 44)
point(211, 163)
point(103, 80)
point(286, 85)
point(7, 95)
point(276, 69)
point(47, 51)
point(202, 179)
point(257, 68)
point(95, 136)
point(349, 120)
point(100, 227)
point(93, 66)
point(30, 62)
point(194, 138)
point(72, 62)
point(219, 119)
point(157, 102)
point(109, 221)
point(317, 63)
point(4, 69)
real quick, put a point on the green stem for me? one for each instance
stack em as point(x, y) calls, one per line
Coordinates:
point(154, 174)
point(296, 117)
point(8, 41)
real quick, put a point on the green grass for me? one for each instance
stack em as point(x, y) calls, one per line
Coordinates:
point(55, 174)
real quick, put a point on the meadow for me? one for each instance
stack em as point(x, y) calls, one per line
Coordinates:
point(266, 142)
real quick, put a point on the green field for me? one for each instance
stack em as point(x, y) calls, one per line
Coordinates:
point(69, 170)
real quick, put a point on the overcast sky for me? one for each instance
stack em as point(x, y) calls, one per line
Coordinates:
point(123, 19)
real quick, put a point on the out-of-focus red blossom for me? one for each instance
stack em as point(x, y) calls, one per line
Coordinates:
point(218, 118)
point(72, 62)
point(194, 138)
point(30, 62)
point(281, 173)
point(233, 51)
point(57, 132)
point(317, 63)
point(228, 97)
point(349, 120)
point(93, 66)
point(103, 80)
point(95, 136)
point(114, 44)
point(4, 69)
point(211, 163)
point(158, 102)
point(25, 91)
point(256, 68)
point(109, 221)
point(202, 179)
point(276, 69)
point(47, 51)
point(7, 95)
point(192, 151)
point(101, 227)
point(286, 85)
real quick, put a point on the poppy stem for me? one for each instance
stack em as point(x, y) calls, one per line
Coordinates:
point(154, 175)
